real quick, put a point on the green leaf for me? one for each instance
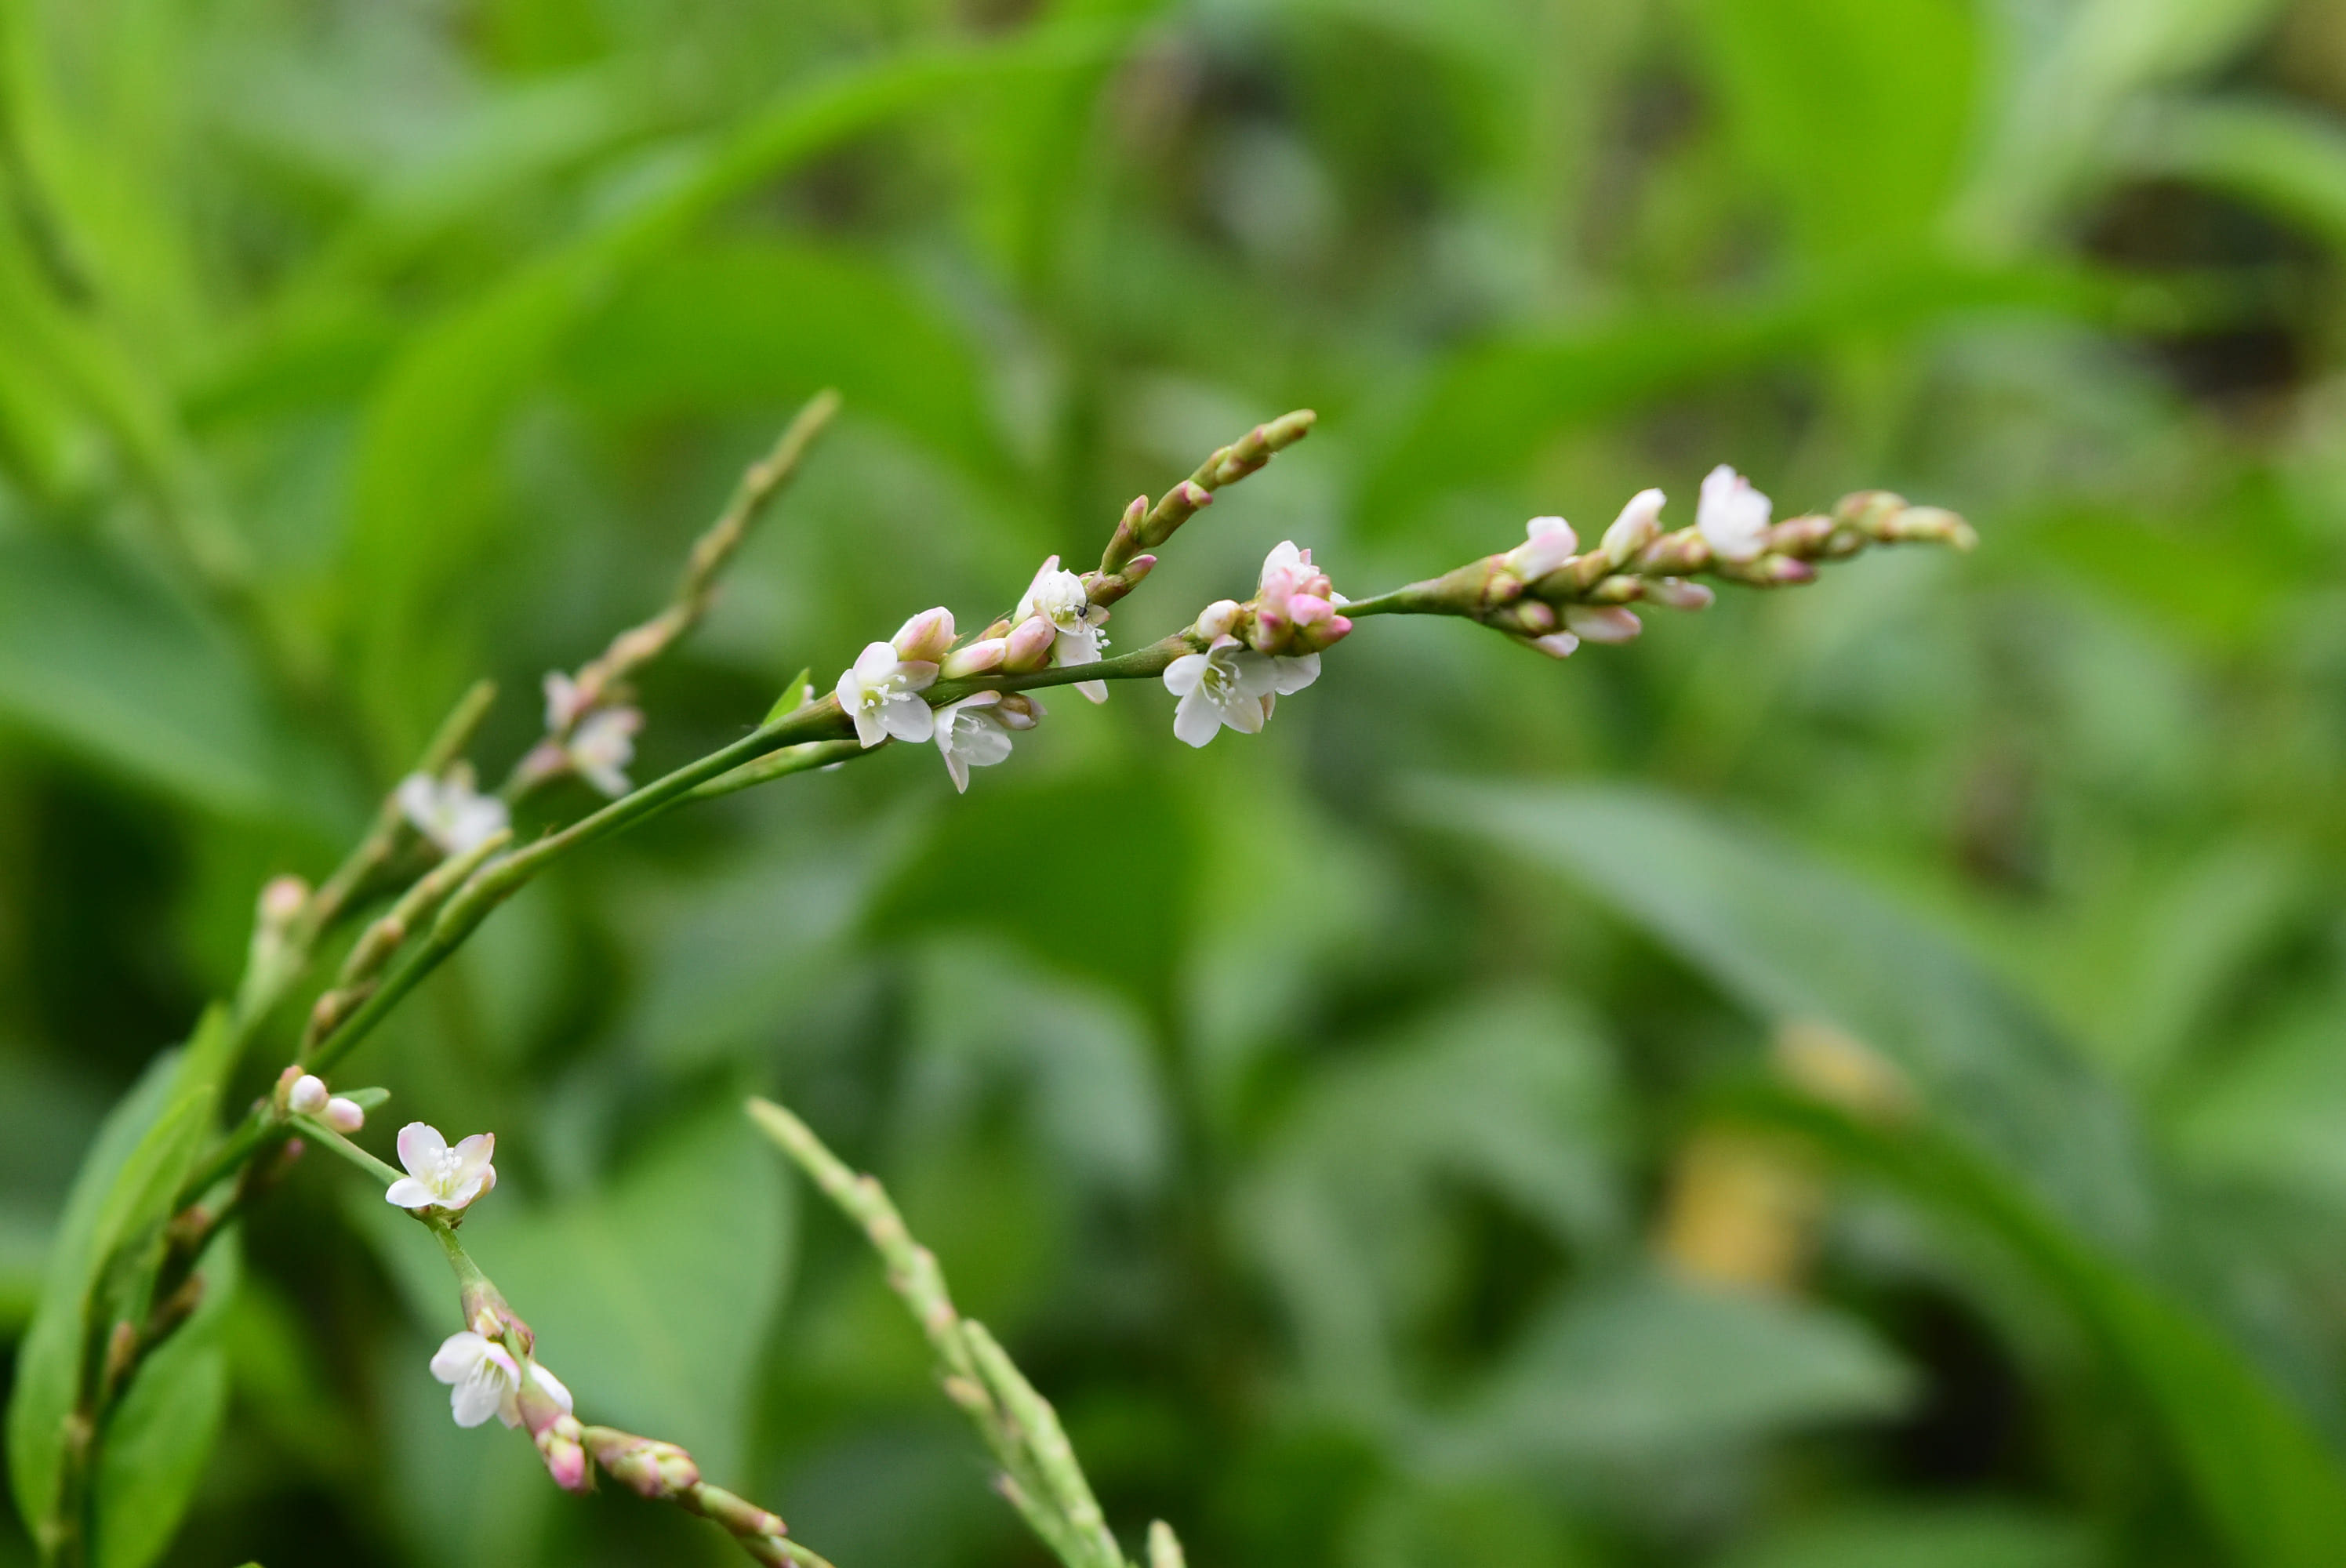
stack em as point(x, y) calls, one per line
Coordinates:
point(1646, 1367)
point(105, 1253)
point(1856, 113)
point(1494, 404)
point(100, 662)
point(1794, 941)
point(1965, 1536)
point(2289, 161)
point(161, 1437)
point(444, 405)
point(2268, 1486)
point(796, 692)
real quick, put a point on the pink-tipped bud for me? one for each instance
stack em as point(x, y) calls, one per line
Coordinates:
point(1535, 616)
point(1029, 644)
point(1309, 609)
point(1268, 633)
point(976, 659)
point(1640, 524)
point(308, 1096)
point(1681, 594)
point(927, 637)
point(344, 1115)
point(1608, 624)
point(1548, 543)
point(282, 900)
point(565, 1456)
point(1194, 494)
point(647, 1466)
point(288, 1078)
point(1216, 619)
point(1556, 644)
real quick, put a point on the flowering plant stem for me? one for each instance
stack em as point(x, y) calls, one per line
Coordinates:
point(1229, 666)
point(1040, 1475)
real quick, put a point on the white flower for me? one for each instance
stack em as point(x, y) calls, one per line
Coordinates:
point(565, 702)
point(971, 734)
point(882, 693)
point(484, 1382)
point(1548, 543)
point(1732, 516)
point(603, 744)
point(437, 1175)
point(1059, 598)
point(1228, 684)
point(449, 811)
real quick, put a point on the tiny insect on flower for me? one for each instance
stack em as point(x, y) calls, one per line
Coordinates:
point(1059, 598)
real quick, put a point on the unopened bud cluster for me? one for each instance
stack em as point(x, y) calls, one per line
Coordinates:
point(1553, 595)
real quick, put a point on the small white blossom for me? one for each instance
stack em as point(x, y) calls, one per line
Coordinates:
point(1228, 684)
point(603, 744)
point(437, 1175)
point(449, 811)
point(971, 733)
point(882, 693)
point(484, 1382)
point(1059, 598)
point(1548, 543)
point(566, 704)
point(1732, 516)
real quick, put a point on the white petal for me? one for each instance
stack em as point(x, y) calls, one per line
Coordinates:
point(1283, 557)
point(1092, 691)
point(1183, 676)
point(876, 663)
point(605, 777)
point(552, 1386)
point(1255, 672)
point(474, 1155)
point(957, 768)
point(908, 719)
point(1195, 719)
point(457, 1356)
point(419, 800)
point(1608, 624)
point(1293, 675)
point(1080, 645)
point(477, 1399)
point(420, 1147)
point(1243, 712)
point(989, 744)
point(869, 728)
point(408, 1192)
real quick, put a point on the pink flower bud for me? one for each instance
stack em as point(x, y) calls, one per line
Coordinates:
point(344, 1115)
point(1535, 616)
point(565, 1457)
point(927, 637)
point(1216, 619)
point(1548, 543)
point(1556, 644)
point(308, 1094)
point(1608, 624)
point(1640, 524)
point(1681, 594)
point(1029, 644)
point(1308, 609)
point(282, 900)
point(979, 657)
point(1268, 633)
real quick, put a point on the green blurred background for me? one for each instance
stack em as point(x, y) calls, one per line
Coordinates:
point(1857, 1077)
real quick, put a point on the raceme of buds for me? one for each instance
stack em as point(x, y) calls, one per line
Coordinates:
point(644, 1465)
point(1059, 598)
point(449, 811)
point(880, 693)
point(437, 1175)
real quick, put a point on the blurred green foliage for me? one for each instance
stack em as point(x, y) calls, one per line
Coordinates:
point(1331, 1123)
